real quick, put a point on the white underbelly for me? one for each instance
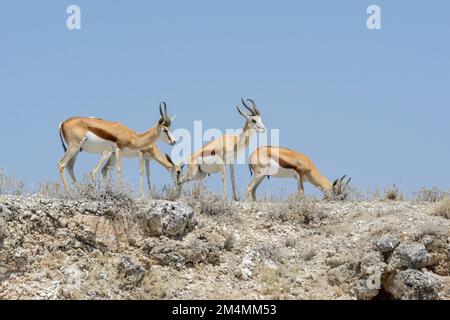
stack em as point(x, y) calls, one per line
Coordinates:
point(275, 170)
point(210, 164)
point(95, 144)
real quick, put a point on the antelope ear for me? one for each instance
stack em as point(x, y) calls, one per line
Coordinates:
point(173, 118)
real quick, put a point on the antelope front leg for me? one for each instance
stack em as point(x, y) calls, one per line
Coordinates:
point(105, 156)
point(301, 187)
point(233, 182)
point(251, 189)
point(119, 167)
point(224, 179)
point(141, 174)
point(147, 171)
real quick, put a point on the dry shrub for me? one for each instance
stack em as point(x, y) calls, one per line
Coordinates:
point(442, 208)
point(103, 191)
point(433, 194)
point(206, 202)
point(11, 186)
point(229, 242)
point(277, 283)
point(165, 193)
point(153, 287)
point(298, 208)
point(106, 192)
point(52, 189)
point(393, 193)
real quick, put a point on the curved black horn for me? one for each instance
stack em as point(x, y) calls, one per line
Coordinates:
point(255, 109)
point(241, 113)
point(247, 107)
point(161, 109)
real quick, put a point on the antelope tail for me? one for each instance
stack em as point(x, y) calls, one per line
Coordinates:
point(62, 138)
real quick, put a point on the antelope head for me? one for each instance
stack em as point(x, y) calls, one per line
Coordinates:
point(176, 171)
point(164, 125)
point(339, 188)
point(254, 118)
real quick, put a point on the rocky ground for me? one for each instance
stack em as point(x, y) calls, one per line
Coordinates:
point(205, 248)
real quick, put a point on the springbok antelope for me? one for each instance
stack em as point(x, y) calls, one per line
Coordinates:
point(152, 153)
point(94, 135)
point(284, 163)
point(215, 155)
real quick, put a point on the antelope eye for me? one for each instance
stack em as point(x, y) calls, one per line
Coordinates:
point(253, 120)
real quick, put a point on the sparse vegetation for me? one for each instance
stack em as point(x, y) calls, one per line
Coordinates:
point(229, 242)
point(168, 193)
point(442, 208)
point(393, 193)
point(206, 202)
point(9, 185)
point(297, 208)
point(433, 194)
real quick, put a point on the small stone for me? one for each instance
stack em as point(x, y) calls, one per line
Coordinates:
point(387, 243)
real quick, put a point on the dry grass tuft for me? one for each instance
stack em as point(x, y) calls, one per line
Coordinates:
point(11, 186)
point(168, 193)
point(206, 202)
point(433, 194)
point(442, 208)
point(393, 193)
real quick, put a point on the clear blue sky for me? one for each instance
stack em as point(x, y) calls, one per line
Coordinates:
point(372, 104)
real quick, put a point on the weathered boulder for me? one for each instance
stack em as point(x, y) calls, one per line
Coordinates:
point(410, 255)
point(413, 284)
point(371, 270)
point(169, 219)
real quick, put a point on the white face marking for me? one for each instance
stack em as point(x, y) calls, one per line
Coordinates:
point(167, 136)
point(257, 124)
point(95, 144)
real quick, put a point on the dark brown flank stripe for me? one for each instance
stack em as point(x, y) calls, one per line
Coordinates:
point(103, 134)
point(282, 162)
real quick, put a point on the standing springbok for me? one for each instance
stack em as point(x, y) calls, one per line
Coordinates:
point(215, 155)
point(284, 163)
point(152, 153)
point(94, 135)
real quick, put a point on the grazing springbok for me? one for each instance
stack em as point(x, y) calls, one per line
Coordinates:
point(152, 153)
point(215, 155)
point(94, 135)
point(284, 163)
